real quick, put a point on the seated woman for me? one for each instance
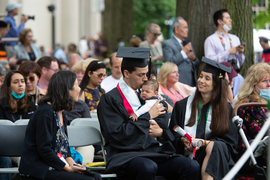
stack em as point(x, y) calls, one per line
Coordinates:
point(46, 153)
point(27, 49)
point(255, 88)
point(90, 85)
point(169, 85)
point(14, 102)
point(206, 116)
point(32, 73)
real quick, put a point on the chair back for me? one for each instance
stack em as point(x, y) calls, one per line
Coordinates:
point(6, 122)
point(22, 122)
point(93, 122)
point(11, 140)
point(83, 136)
point(94, 115)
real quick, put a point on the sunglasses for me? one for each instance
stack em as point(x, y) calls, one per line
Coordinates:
point(157, 34)
point(31, 78)
point(100, 74)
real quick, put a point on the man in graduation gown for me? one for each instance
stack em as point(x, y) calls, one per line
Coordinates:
point(223, 153)
point(133, 149)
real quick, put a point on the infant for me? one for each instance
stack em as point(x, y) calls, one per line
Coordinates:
point(150, 95)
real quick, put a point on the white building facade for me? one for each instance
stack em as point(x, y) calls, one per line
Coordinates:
point(73, 19)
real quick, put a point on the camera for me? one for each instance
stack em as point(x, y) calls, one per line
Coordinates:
point(31, 17)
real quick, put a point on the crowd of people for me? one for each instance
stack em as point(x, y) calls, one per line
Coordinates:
point(138, 108)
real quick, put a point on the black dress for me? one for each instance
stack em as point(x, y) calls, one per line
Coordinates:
point(224, 150)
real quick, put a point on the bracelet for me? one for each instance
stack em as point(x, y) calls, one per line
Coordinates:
point(204, 142)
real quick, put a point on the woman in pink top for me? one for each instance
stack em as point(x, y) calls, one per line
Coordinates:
point(169, 85)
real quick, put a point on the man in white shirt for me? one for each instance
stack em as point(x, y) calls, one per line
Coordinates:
point(179, 50)
point(111, 81)
point(222, 46)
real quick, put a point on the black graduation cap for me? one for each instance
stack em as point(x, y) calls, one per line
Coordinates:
point(134, 57)
point(3, 24)
point(215, 68)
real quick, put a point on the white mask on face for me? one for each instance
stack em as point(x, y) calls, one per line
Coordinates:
point(225, 27)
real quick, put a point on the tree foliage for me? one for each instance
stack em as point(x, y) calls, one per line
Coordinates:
point(152, 11)
point(262, 17)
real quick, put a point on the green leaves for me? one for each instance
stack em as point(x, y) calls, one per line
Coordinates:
point(152, 11)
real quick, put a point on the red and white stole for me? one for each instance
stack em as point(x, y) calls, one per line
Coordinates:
point(130, 99)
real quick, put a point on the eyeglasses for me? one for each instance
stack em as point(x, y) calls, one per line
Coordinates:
point(55, 70)
point(31, 78)
point(100, 74)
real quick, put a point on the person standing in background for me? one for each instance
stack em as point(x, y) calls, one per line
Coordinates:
point(14, 31)
point(265, 57)
point(152, 32)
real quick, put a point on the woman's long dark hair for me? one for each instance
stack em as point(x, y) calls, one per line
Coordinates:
point(58, 91)
point(220, 108)
point(93, 66)
point(10, 103)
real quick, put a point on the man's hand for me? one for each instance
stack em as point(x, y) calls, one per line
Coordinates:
point(187, 48)
point(24, 18)
point(186, 143)
point(233, 50)
point(189, 51)
point(241, 48)
point(156, 110)
point(154, 129)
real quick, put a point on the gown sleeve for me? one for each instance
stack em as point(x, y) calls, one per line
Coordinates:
point(178, 118)
point(118, 129)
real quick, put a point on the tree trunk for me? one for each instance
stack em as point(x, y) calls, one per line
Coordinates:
point(117, 21)
point(199, 15)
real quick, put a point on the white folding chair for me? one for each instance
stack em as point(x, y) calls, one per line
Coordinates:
point(94, 115)
point(22, 122)
point(6, 122)
point(11, 139)
point(92, 122)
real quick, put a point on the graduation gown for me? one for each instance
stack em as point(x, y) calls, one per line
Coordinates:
point(224, 150)
point(126, 139)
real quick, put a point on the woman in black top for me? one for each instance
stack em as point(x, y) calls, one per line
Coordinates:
point(14, 102)
point(207, 116)
point(46, 153)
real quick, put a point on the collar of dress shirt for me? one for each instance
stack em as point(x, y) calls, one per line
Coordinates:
point(178, 40)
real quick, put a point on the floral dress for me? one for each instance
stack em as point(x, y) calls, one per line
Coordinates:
point(92, 97)
point(253, 120)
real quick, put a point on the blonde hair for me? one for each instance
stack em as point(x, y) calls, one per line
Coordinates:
point(165, 69)
point(82, 65)
point(151, 26)
point(254, 75)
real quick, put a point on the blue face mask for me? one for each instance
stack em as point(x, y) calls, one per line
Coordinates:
point(17, 96)
point(121, 44)
point(265, 94)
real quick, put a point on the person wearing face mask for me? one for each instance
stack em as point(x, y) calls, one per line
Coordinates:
point(255, 88)
point(222, 46)
point(14, 102)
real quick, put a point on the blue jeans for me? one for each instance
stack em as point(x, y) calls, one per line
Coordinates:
point(5, 162)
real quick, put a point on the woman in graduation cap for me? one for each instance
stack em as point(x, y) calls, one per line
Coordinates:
point(206, 116)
